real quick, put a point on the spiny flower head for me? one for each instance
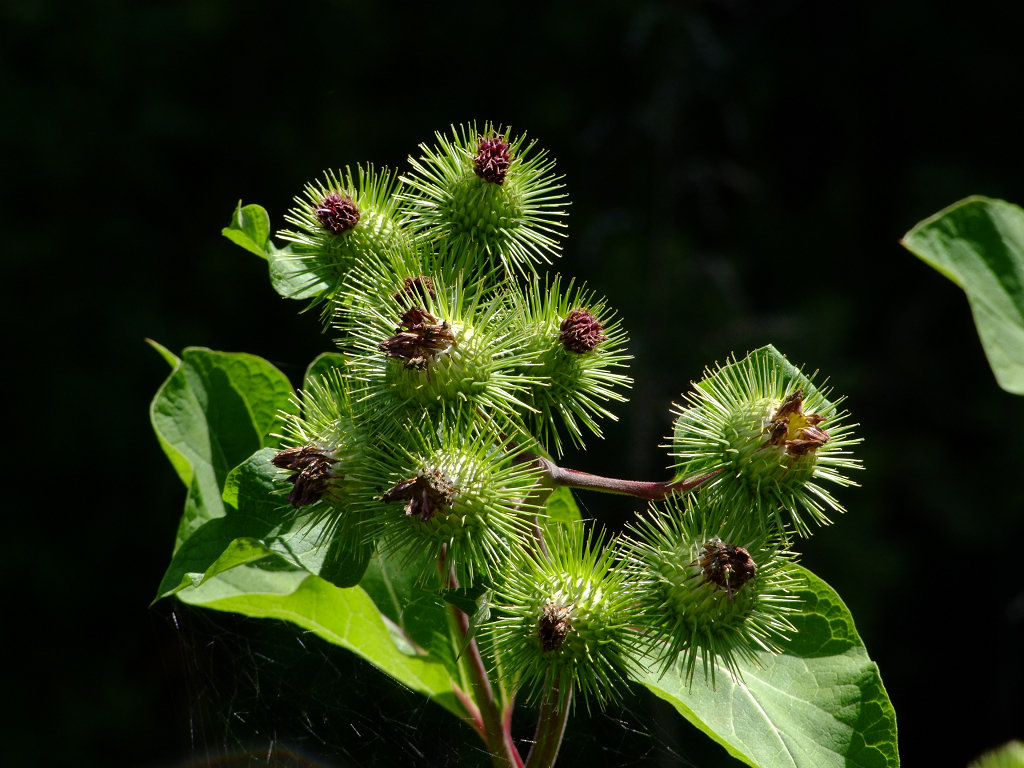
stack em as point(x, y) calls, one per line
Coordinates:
point(772, 435)
point(566, 615)
point(707, 593)
point(488, 193)
point(326, 455)
point(340, 221)
point(448, 485)
point(311, 466)
point(577, 353)
point(440, 348)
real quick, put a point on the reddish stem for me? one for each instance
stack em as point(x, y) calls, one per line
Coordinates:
point(651, 491)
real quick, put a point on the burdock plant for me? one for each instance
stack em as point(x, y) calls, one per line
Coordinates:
point(424, 451)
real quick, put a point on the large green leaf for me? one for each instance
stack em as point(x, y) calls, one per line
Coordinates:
point(978, 243)
point(210, 415)
point(344, 617)
point(818, 704)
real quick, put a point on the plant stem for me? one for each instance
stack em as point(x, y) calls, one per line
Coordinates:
point(554, 714)
point(497, 735)
point(651, 491)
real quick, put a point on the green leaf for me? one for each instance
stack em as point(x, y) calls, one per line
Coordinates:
point(210, 415)
point(295, 275)
point(345, 617)
point(172, 359)
point(978, 243)
point(258, 523)
point(250, 229)
point(818, 704)
point(418, 615)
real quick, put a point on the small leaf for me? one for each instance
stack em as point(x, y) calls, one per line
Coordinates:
point(322, 365)
point(562, 507)
point(295, 275)
point(978, 243)
point(468, 599)
point(213, 548)
point(172, 359)
point(818, 704)
point(250, 229)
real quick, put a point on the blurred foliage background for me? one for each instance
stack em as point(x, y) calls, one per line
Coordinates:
point(741, 173)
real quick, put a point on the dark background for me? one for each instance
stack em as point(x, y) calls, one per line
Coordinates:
point(741, 172)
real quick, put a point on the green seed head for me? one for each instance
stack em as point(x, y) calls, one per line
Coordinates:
point(576, 350)
point(439, 348)
point(327, 459)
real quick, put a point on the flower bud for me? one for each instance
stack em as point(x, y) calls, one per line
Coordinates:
point(337, 212)
point(488, 195)
point(311, 466)
point(340, 221)
point(581, 331)
point(453, 349)
point(327, 457)
point(575, 348)
point(492, 159)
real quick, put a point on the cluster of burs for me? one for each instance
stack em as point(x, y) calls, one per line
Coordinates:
point(465, 368)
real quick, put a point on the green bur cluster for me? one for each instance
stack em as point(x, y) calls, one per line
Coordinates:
point(461, 373)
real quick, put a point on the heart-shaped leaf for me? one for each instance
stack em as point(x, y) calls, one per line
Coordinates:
point(978, 243)
point(818, 704)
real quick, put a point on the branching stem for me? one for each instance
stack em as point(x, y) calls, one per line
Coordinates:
point(496, 732)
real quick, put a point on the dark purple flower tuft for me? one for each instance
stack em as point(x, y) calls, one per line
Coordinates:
point(581, 332)
point(337, 213)
point(419, 339)
point(427, 493)
point(726, 566)
point(311, 467)
point(797, 431)
point(492, 159)
point(554, 625)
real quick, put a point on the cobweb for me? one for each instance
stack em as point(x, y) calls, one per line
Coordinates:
point(266, 693)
